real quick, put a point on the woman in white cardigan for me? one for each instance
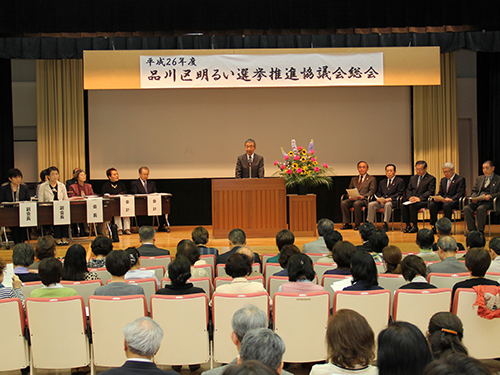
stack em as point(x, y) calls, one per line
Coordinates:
point(53, 190)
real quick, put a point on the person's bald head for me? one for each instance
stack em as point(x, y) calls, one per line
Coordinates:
point(245, 250)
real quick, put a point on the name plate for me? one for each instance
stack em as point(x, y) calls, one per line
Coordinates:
point(28, 214)
point(154, 205)
point(127, 205)
point(62, 213)
point(94, 210)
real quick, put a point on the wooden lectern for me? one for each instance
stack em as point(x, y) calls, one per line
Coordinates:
point(257, 205)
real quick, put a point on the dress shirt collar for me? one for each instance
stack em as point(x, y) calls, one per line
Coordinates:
point(452, 177)
point(419, 279)
point(239, 280)
point(139, 360)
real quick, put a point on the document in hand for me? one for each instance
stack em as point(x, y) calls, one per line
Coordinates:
point(407, 203)
point(480, 198)
point(353, 193)
point(438, 198)
point(380, 199)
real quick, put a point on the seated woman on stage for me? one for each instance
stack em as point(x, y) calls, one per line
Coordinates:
point(300, 274)
point(50, 191)
point(179, 272)
point(414, 270)
point(115, 187)
point(75, 265)
point(135, 264)
point(15, 191)
point(364, 272)
point(351, 345)
point(50, 271)
point(45, 248)
point(81, 188)
point(101, 247)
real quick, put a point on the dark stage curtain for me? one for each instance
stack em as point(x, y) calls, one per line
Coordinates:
point(488, 107)
point(6, 120)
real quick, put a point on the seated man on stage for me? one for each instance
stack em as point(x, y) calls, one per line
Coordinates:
point(250, 161)
point(143, 186)
point(451, 188)
point(486, 188)
point(422, 185)
point(115, 187)
point(389, 190)
point(366, 186)
point(73, 180)
point(15, 191)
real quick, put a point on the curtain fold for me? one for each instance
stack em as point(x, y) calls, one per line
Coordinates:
point(435, 132)
point(60, 115)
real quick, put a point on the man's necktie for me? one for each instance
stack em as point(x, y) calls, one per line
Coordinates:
point(388, 182)
point(487, 182)
point(419, 179)
point(448, 185)
point(146, 187)
point(360, 182)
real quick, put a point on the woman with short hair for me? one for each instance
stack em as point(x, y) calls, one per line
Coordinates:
point(45, 248)
point(301, 275)
point(51, 271)
point(364, 272)
point(101, 247)
point(414, 271)
point(180, 272)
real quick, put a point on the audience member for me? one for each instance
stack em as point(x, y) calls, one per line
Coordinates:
point(249, 253)
point(135, 272)
point(392, 257)
point(286, 253)
point(75, 265)
point(443, 228)
point(147, 236)
point(457, 364)
point(283, 237)
point(249, 368)
point(45, 248)
point(239, 267)
point(402, 350)
point(142, 341)
point(494, 246)
point(118, 264)
point(319, 246)
point(179, 272)
point(199, 235)
point(101, 247)
point(364, 272)
point(50, 271)
point(188, 249)
point(23, 257)
point(378, 241)
point(331, 238)
point(244, 320)
point(414, 271)
point(351, 345)
point(445, 334)
point(10, 292)
point(342, 253)
point(366, 230)
point(265, 346)
point(449, 263)
point(475, 238)
point(425, 240)
point(301, 275)
point(237, 238)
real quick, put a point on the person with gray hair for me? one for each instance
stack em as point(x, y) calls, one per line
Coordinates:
point(265, 346)
point(249, 165)
point(142, 341)
point(147, 236)
point(23, 256)
point(319, 246)
point(443, 228)
point(447, 246)
point(451, 189)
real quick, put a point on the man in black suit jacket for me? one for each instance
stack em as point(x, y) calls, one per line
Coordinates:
point(142, 341)
point(389, 190)
point(366, 186)
point(147, 238)
point(250, 161)
point(451, 188)
point(487, 186)
point(144, 186)
point(237, 239)
point(422, 185)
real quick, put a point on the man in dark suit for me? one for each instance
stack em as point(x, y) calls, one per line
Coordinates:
point(451, 188)
point(237, 239)
point(147, 238)
point(142, 341)
point(366, 186)
point(422, 185)
point(389, 190)
point(486, 188)
point(250, 161)
point(144, 186)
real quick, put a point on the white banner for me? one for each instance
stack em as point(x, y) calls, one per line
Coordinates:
point(154, 204)
point(28, 214)
point(282, 70)
point(62, 213)
point(127, 205)
point(94, 210)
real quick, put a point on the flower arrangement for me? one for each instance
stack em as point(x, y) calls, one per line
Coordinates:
point(300, 166)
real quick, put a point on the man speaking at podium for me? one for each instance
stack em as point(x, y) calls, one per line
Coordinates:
point(249, 165)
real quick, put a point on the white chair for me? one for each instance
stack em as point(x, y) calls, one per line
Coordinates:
point(83, 288)
point(227, 280)
point(187, 340)
point(493, 276)
point(429, 302)
point(159, 270)
point(391, 282)
point(210, 259)
point(103, 274)
point(202, 282)
point(223, 308)
point(265, 257)
point(108, 316)
point(479, 333)
point(13, 346)
point(27, 288)
point(270, 269)
point(163, 260)
point(58, 333)
point(315, 257)
point(275, 283)
point(327, 282)
point(208, 269)
point(374, 305)
point(301, 321)
point(381, 267)
point(446, 280)
point(220, 271)
point(321, 268)
point(149, 285)
point(256, 267)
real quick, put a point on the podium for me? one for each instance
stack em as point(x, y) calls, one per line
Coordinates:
point(257, 205)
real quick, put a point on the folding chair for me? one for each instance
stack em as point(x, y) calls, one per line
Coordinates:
point(103, 274)
point(220, 271)
point(27, 288)
point(270, 269)
point(83, 288)
point(149, 285)
point(391, 281)
point(208, 269)
point(446, 280)
point(275, 283)
point(191, 343)
point(163, 260)
point(159, 270)
point(265, 257)
point(210, 259)
point(13, 346)
point(327, 282)
point(227, 280)
point(315, 257)
point(312, 311)
point(321, 268)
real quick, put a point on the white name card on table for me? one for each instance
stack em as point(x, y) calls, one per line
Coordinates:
point(28, 214)
point(154, 204)
point(127, 205)
point(62, 213)
point(94, 210)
